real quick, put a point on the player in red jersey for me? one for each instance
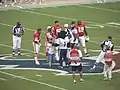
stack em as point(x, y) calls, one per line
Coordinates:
point(75, 57)
point(56, 30)
point(49, 45)
point(83, 35)
point(49, 37)
point(36, 44)
point(109, 64)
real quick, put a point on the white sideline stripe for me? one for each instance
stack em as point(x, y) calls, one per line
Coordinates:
point(49, 15)
point(102, 9)
point(13, 25)
point(39, 75)
point(61, 72)
point(4, 45)
point(2, 79)
point(31, 80)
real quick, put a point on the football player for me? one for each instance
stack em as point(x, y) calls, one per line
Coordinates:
point(17, 32)
point(75, 57)
point(36, 44)
point(56, 30)
point(49, 46)
point(104, 44)
point(83, 35)
point(109, 64)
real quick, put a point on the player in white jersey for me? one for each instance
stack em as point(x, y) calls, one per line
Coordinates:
point(104, 44)
point(62, 42)
point(75, 57)
point(74, 38)
point(17, 32)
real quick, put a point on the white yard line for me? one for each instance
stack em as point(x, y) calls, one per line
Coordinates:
point(4, 24)
point(102, 9)
point(49, 15)
point(34, 81)
point(38, 75)
point(5, 45)
point(2, 79)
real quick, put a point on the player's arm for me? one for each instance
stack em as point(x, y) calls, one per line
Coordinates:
point(80, 54)
point(22, 31)
point(86, 35)
point(37, 40)
point(13, 31)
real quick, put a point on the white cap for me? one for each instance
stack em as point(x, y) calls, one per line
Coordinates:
point(48, 27)
point(66, 25)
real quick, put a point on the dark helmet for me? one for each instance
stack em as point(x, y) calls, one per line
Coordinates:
point(56, 21)
point(73, 22)
point(79, 22)
point(110, 37)
point(18, 24)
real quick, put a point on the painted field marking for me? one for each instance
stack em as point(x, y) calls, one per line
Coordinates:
point(114, 23)
point(14, 25)
point(4, 45)
point(102, 9)
point(38, 75)
point(2, 79)
point(49, 15)
point(31, 80)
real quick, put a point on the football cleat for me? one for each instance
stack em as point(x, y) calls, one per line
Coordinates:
point(86, 55)
point(74, 81)
point(105, 79)
point(37, 62)
point(81, 80)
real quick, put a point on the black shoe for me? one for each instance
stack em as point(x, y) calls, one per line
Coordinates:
point(86, 55)
point(13, 54)
point(19, 54)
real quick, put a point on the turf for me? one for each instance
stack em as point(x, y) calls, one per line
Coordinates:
point(42, 17)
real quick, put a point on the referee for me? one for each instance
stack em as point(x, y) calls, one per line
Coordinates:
point(17, 32)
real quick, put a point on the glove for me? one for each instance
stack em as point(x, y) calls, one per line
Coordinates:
point(86, 38)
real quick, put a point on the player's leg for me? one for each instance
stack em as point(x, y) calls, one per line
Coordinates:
point(5, 3)
point(110, 70)
point(100, 58)
point(36, 50)
point(73, 73)
point(50, 59)
point(19, 46)
point(61, 58)
point(80, 72)
point(105, 72)
point(82, 41)
point(56, 51)
point(65, 57)
point(14, 45)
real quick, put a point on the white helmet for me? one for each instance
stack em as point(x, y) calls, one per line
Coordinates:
point(48, 27)
point(65, 25)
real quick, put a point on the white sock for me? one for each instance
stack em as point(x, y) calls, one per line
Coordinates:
point(85, 50)
point(35, 58)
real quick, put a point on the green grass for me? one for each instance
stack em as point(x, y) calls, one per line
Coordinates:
point(64, 14)
point(91, 82)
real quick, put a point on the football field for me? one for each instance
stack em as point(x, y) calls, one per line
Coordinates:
point(20, 72)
